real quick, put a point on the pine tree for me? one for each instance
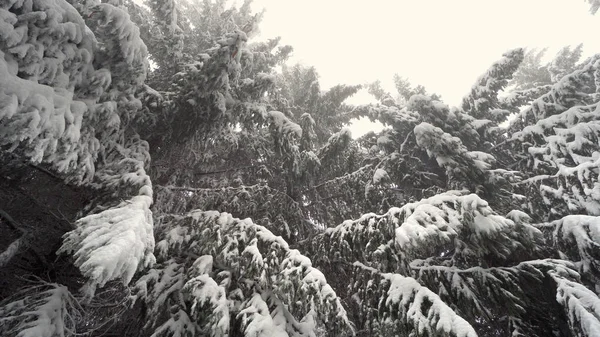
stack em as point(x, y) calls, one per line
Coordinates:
point(461, 227)
point(558, 143)
point(429, 243)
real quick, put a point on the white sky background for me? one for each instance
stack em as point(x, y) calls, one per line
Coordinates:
point(443, 45)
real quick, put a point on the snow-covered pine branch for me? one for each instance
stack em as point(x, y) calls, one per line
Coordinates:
point(516, 99)
point(214, 269)
point(463, 168)
point(451, 120)
point(577, 239)
point(437, 241)
point(395, 304)
point(571, 90)
point(461, 227)
point(44, 310)
point(564, 147)
point(581, 305)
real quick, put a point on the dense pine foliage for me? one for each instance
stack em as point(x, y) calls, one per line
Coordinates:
point(162, 173)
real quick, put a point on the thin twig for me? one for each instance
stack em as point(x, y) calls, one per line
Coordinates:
point(405, 140)
point(336, 179)
point(11, 222)
point(16, 226)
point(536, 178)
point(10, 251)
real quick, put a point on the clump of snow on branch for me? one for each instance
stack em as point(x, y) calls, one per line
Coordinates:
point(11, 251)
point(578, 239)
point(439, 144)
point(114, 243)
point(284, 125)
point(581, 305)
point(379, 175)
point(410, 298)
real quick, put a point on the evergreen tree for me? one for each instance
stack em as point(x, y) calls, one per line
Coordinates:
point(419, 240)
point(117, 237)
point(217, 120)
point(239, 225)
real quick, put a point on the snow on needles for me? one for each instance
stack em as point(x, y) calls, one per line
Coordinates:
point(284, 125)
point(50, 310)
point(379, 175)
point(50, 88)
point(584, 232)
point(241, 271)
point(411, 299)
point(582, 305)
point(114, 243)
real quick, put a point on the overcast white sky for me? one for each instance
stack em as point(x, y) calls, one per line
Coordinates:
point(443, 44)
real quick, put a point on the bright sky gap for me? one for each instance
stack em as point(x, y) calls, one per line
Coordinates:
point(442, 45)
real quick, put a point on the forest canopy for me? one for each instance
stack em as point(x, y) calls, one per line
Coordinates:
point(165, 173)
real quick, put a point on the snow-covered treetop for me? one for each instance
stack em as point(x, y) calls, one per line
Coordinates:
point(576, 88)
point(484, 94)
